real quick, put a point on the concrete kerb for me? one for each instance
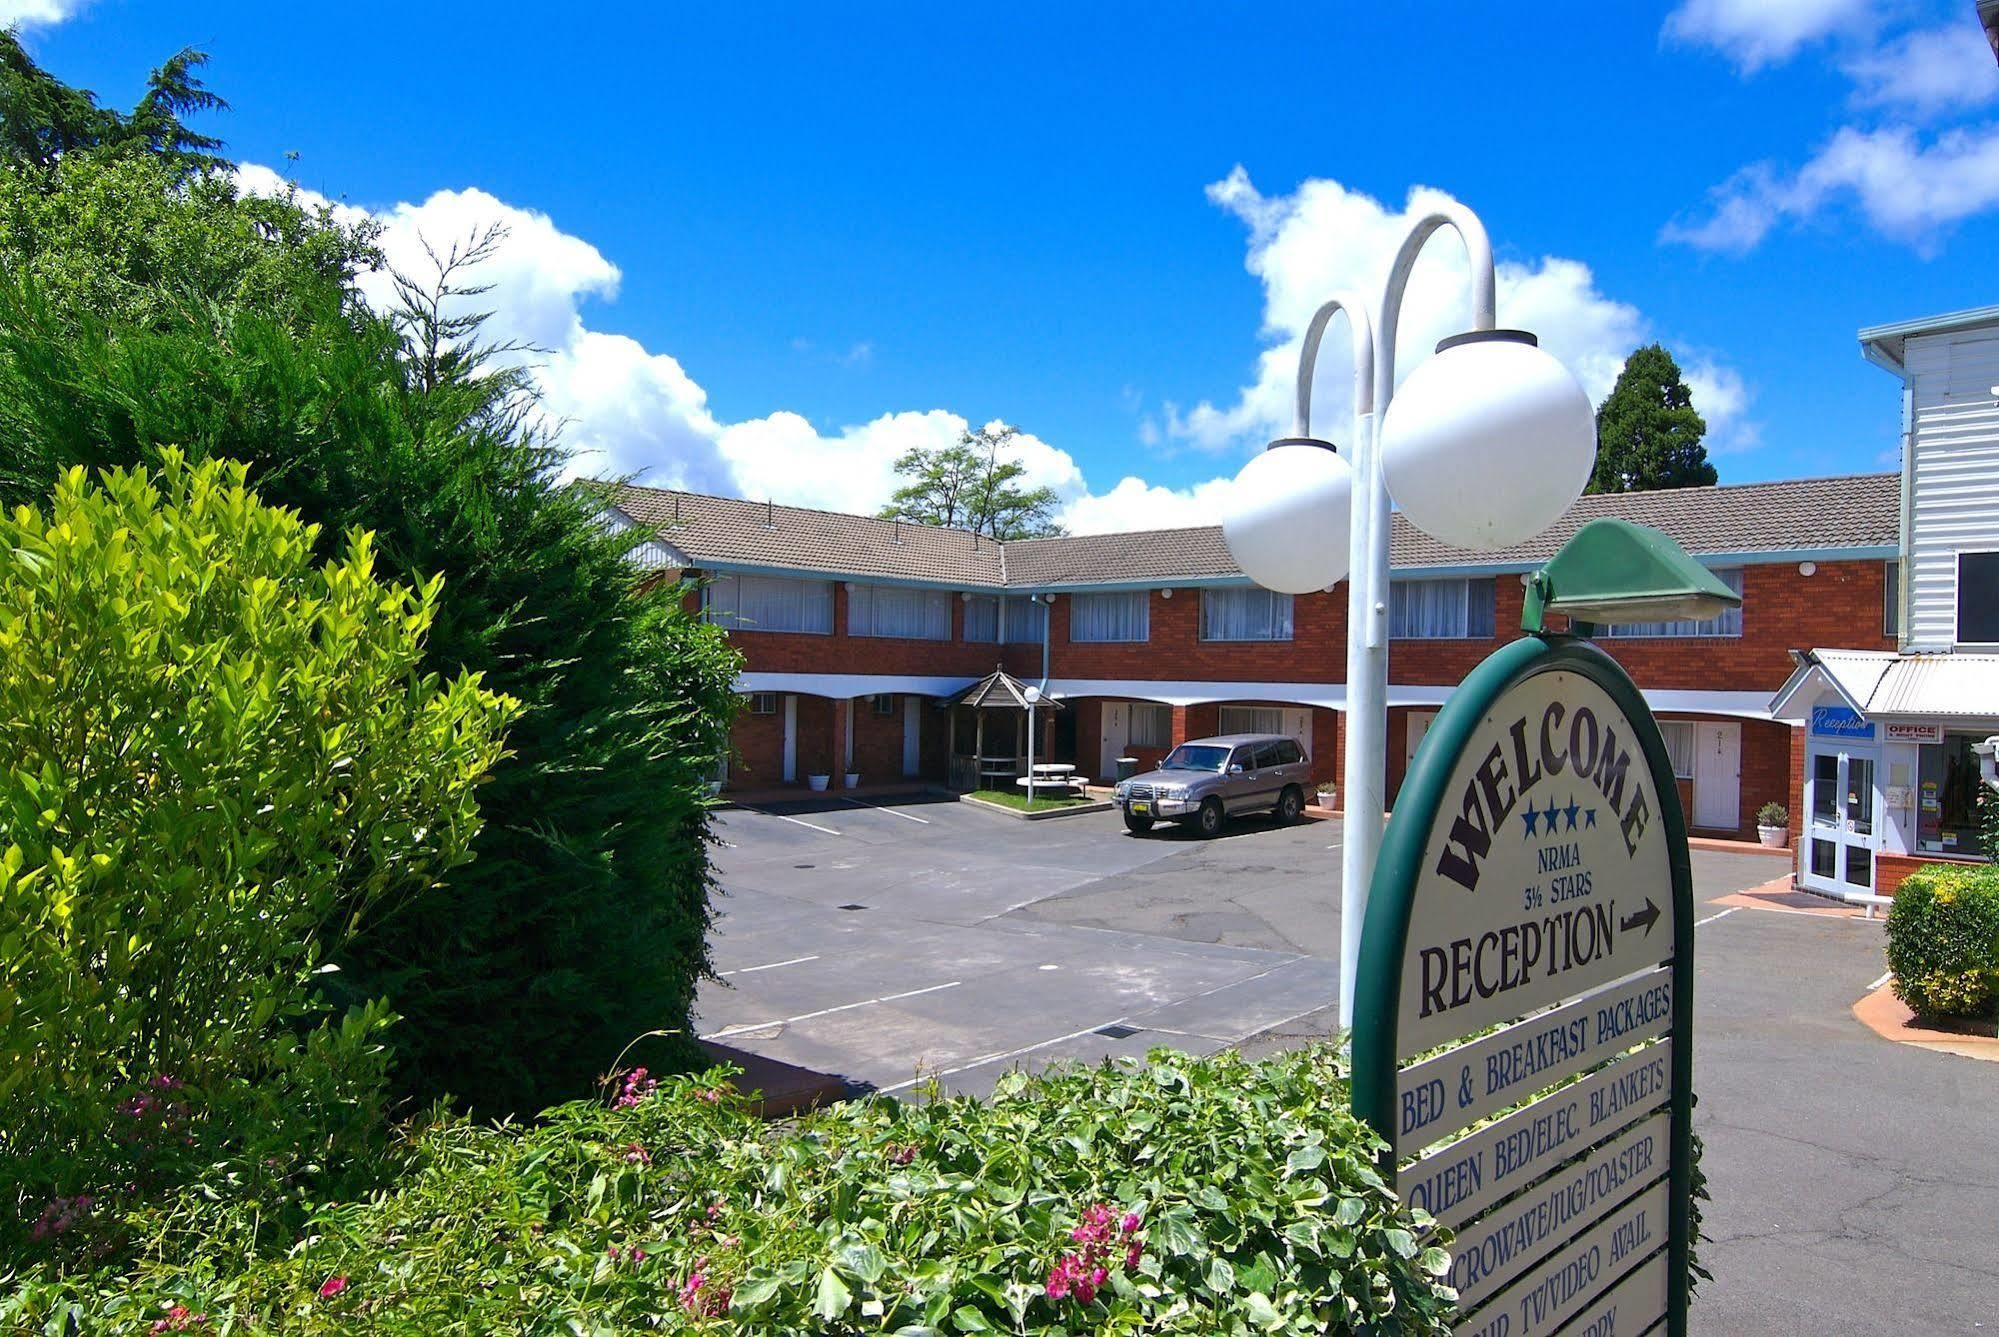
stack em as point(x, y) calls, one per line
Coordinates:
point(1021, 814)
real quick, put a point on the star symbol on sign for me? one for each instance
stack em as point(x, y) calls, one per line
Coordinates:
point(1571, 811)
point(1589, 817)
point(1551, 815)
point(1531, 816)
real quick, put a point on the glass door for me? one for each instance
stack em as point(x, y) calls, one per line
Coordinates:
point(1843, 811)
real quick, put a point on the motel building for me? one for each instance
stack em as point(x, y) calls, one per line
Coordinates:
point(1887, 777)
point(1852, 685)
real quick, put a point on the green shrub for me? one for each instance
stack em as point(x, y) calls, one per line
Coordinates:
point(1773, 814)
point(218, 760)
point(1218, 1195)
point(1943, 940)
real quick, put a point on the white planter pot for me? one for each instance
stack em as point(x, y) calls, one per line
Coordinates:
point(1773, 836)
point(818, 783)
point(853, 779)
point(1329, 799)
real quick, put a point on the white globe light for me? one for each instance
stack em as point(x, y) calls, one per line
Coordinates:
point(1489, 442)
point(1286, 517)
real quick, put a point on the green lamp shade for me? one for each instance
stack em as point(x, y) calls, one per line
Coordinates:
point(1614, 571)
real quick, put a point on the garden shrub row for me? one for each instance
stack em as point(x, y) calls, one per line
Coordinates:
point(1943, 940)
point(1173, 1195)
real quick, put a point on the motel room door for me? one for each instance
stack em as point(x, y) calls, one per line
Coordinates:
point(1116, 737)
point(1718, 775)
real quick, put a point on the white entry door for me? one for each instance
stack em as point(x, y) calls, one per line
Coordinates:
point(1718, 775)
point(790, 739)
point(1116, 737)
point(1419, 727)
point(912, 735)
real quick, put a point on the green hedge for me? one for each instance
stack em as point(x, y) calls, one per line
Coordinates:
point(1943, 940)
point(1176, 1195)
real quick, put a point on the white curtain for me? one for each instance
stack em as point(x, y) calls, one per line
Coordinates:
point(1245, 615)
point(1025, 620)
point(1252, 719)
point(1151, 725)
point(982, 618)
point(899, 612)
point(1728, 624)
point(1122, 616)
point(1679, 736)
point(771, 603)
point(1440, 609)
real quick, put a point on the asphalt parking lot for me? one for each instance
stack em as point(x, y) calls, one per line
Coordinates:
point(1855, 1181)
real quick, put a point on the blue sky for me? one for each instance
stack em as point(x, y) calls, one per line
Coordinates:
point(766, 248)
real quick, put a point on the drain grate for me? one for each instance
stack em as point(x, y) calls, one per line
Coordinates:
point(851, 906)
point(1118, 1032)
point(805, 865)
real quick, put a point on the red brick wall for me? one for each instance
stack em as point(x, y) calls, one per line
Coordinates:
point(759, 750)
point(1175, 650)
point(878, 741)
point(1890, 869)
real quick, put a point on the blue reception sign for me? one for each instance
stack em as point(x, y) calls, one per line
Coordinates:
point(1840, 722)
point(1523, 1010)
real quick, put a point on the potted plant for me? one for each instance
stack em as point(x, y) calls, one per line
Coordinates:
point(818, 783)
point(1773, 825)
point(1329, 797)
point(853, 779)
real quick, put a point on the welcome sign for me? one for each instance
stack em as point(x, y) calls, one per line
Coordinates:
point(1523, 1007)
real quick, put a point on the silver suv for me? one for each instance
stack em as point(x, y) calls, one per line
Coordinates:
point(1205, 781)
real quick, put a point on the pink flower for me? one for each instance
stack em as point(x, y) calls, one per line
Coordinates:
point(331, 1287)
point(634, 1154)
point(1084, 1272)
point(899, 1154)
point(635, 1087)
point(178, 1319)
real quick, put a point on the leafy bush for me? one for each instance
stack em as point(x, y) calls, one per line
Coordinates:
point(1943, 940)
point(1773, 814)
point(218, 760)
point(1215, 1195)
point(144, 314)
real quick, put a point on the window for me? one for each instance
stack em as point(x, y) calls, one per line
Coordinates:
point(1252, 719)
point(1891, 598)
point(899, 612)
point(1124, 616)
point(771, 603)
point(1026, 621)
point(1151, 726)
point(884, 703)
point(982, 618)
point(1978, 598)
point(1947, 785)
point(1434, 610)
point(1727, 623)
point(763, 703)
point(1245, 615)
point(1679, 736)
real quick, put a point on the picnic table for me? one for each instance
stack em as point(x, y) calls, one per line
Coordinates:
point(1054, 775)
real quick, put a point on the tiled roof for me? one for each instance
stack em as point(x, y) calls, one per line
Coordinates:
point(1855, 511)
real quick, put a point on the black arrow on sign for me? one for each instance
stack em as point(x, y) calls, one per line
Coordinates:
point(1648, 917)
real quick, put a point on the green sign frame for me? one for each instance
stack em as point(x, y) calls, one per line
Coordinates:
point(1384, 935)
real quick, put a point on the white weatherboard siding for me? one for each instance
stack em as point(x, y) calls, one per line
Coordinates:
point(1954, 500)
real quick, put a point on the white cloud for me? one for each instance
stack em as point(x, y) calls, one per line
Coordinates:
point(1136, 504)
point(1906, 187)
point(27, 13)
point(1927, 71)
point(1324, 238)
point(1755, 33)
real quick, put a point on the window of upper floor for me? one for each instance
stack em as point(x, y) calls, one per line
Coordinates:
point(899, 613)
point(1247, 614)
point(1441, 610)
point(1726, 623)
point(1122, 615)
point(1978, 598)
point(1891, 598)
point(769, 603)
point(1023, 620)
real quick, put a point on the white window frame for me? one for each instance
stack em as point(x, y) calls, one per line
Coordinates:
point(883, 703)
point(1462, 628)
point(1275, 616)
point(1135, 601)
point(1668, 729)
point(1723, 626)
point(763, 703)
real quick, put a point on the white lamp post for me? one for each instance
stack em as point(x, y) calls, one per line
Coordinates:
point(1491, 443)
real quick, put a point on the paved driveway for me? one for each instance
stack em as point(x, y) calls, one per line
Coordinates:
point(1856, 1181)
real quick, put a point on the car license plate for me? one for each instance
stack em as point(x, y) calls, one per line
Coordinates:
point(1140, 808)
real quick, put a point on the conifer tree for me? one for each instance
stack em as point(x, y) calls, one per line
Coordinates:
point(1648, 431)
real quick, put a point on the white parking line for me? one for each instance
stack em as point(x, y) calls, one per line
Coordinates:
point(751, 970)
point(795, 821)
point(906, 816)
point(1886, 975)
point(999, 1057)
point(745, 1029)
point(1722, 914)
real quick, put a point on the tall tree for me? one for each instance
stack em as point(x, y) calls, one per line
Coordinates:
point(973, 485)
point(42, 118)
point(1648, 433)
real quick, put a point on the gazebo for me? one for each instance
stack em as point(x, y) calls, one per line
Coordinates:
point(989, 766)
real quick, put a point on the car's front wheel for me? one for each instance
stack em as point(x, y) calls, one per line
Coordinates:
point(1209, 820)
point(1138, 826)
point(1290, 803)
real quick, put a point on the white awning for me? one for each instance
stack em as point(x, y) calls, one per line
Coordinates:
point(1882, 685)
